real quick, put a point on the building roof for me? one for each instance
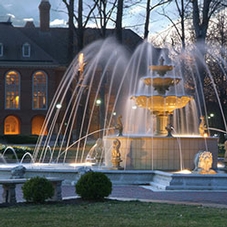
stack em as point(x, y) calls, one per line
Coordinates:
point(54, 42)
point(12, 40)
point(49, 48)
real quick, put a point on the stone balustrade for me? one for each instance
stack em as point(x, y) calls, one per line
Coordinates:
point(9, 188)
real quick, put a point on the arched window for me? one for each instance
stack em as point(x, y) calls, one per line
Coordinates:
point(11, 126)
point(37, 123)
point(26, 50)
point(12, 90)
point(39, 82)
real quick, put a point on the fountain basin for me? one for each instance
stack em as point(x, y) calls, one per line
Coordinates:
point(70, 173)
point(161, 104)
point(154, 179)
point(176, 181)
point(165, 82)
point(160, 153)
point(161, 69)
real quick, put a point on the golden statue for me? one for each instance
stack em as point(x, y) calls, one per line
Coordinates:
point(116, 155)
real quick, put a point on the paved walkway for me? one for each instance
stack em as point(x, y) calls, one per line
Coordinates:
point(145, 193)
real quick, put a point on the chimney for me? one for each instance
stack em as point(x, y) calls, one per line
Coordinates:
point(44, 15)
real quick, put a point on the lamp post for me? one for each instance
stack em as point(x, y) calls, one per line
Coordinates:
point(98, 104)
point(58, 106)
point(80, 78)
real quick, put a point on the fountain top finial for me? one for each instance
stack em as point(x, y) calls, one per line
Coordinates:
point(161, 60)
point(161, 69)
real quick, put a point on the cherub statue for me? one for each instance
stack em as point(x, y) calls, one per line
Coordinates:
point(169, 129)
point(99, 151)
point(202, 127)
point(116, 155)
point(96, 153)
point(119, 125)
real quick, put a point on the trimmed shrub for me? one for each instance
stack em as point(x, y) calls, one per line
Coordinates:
point(20, 139)
point(93, 186)
point(37, 190)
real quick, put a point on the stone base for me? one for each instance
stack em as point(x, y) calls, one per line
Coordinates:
point(160, 153)
point(174, 181)
point(157, 179)
point(117, 168)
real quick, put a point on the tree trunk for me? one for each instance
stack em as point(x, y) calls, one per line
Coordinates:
point(200, 27)
point(80, 30)
point(146, 26)
point(119, 20)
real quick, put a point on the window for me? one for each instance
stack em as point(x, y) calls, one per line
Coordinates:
point(1, 49)
point(26, 49)
point(12, 90)
point(39, 90)
point(37, 124)
point(11, 126)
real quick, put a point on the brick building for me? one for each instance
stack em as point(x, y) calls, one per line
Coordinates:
point(32, 62)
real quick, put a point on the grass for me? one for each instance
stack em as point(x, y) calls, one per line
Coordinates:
point(111, 214)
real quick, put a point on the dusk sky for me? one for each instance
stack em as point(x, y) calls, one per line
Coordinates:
point(22, 10)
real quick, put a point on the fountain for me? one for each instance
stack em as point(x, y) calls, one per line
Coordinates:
point(161, 151)
point(97, 96)
point(161, 105)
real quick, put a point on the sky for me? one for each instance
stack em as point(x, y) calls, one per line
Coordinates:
point(22, 10)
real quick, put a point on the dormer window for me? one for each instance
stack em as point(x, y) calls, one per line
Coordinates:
point(26, 50)
point(1, 49)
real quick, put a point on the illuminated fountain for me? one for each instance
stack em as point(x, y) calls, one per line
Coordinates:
point(105, 82)
point(161, 105)
point(161, 151)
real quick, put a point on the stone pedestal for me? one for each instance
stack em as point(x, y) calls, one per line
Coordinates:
point(162, 122)
point(160, 153)
point(9, 194)
point(116, 164)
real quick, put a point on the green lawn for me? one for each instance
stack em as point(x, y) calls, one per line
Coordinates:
point(111, 214)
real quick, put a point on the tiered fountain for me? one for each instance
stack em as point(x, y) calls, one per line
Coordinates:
point(145, 156)
point(161, 105)
point(163, 151)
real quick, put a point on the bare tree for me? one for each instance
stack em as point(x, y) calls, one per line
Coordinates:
point(70, 9)
point(202, 13)
point(119, 20)
point(216, 59)
point(105, 10)
point(149, 8)
point(76, 16)
point(77, 23)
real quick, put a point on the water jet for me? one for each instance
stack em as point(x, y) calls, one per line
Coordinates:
point(121, 80)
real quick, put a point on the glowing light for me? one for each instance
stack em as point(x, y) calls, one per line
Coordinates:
point(79, 164)
point(98, 102)
point(58, 106)
point(184, 171)
point(220, 165)
point(17, 100)
point(81, 62)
